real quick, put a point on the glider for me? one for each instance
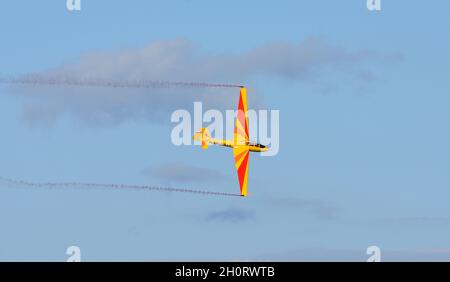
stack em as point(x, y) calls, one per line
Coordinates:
point(240, 145)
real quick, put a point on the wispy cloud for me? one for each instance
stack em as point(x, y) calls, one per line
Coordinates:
point(419, 220)
point(317, 208)
point(354, 255)
point(427, 219)
point(231, 215)
point(180, 60)
point(182, 173)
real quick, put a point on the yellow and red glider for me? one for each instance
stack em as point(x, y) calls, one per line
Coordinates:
point(241, 145)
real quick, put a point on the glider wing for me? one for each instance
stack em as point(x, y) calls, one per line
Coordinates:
point(240, 149)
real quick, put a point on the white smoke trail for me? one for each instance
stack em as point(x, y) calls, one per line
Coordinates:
point(60, 81)
point(63, 185)
point(95, 82)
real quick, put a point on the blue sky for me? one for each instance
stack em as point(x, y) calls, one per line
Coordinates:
point(364, 131)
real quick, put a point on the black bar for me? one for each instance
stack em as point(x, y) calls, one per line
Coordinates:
point(224, 271)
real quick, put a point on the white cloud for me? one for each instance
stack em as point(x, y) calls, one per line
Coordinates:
point(180, 60)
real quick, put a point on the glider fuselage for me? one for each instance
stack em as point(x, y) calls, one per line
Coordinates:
point(252, 147)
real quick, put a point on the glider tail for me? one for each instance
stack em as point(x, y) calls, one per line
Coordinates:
point(203, 136)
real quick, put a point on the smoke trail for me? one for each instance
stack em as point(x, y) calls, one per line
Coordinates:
point(109, 186)
point(93, 82)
